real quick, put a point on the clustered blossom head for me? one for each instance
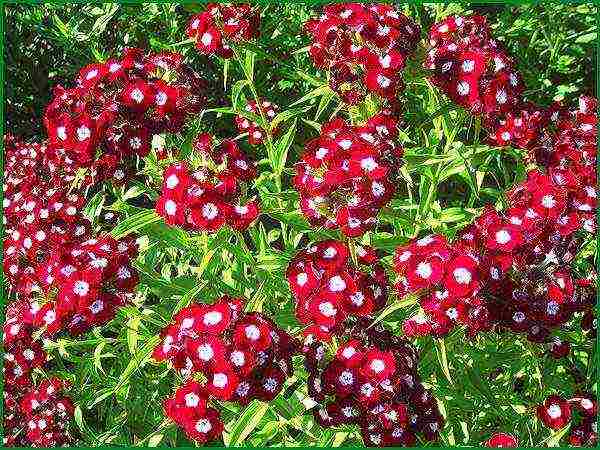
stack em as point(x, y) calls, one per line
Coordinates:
point(220, 24)
point(265, 109)
point(329, 290)
point(523, 254)
point(471, 67)
point(39, 211)
point(371, 380)
point(242, 356)
point(501, 440)
point(364, 47)
point(346, 175)
point(32, 416)
point(448, 279)
point(581, 411)
point(209, 194)
point(117, 107)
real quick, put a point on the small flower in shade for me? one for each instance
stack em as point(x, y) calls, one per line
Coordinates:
point(555, 412)
point(501, 440)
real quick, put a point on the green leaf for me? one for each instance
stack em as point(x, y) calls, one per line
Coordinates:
point(247, 422)
point(281, 149)
point(135, 223)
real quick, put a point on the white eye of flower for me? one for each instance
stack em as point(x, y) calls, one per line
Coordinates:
point(83, 133)
point(468, 65)
point(252, 332)
point(377, 189)
point(270, 384)
point(205, 352)
point(337, 284)
point(346, 378)
point(220, 380)
point(369, 164)
point(554, 411)
point(191, 400)
point(170, 207)
point(203, 426)
point(357, 298)
point(383, 81)
point(210, 211)
point(443, 28)
point(506, 136)
point(301, 279)
point(503, 237)
point(61, 132)
point(345, 144)
point(377, 365)
point(501, 96)
point(462, 275)
point(96, 307)
point(463, 88)
point(206, 39)
point(237, 358)
point(137, 95)
point(424, 270)
point(518, 317)
point(212, 318)
point(161, 98)
point(321, 153)
point(452, 313)
point(81, 288)
point(327, 309)
point(91, 74)
point(552, 308)
point(548, 201)
point(586, 403)
point(348, 352)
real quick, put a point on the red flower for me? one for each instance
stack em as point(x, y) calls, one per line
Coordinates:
point(555, 413)
point(501, 440)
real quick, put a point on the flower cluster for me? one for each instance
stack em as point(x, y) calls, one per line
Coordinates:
point(209, 194)
point(471, 67)
point(117, 107)
point(347, 174)
point(40, 214)
point(364, 47)
point(48, 414)
point(449, 280)
point(243, 356)
point(329, 289)
point(521, 256)
point(501, 440)
point(265, 109)
point(220, 24)
point(556, 412)
point(372, 381)
point(41, 411)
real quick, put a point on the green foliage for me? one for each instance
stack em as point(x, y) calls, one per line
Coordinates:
point(485, 384)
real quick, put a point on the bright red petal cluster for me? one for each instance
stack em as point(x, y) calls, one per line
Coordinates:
point(501, 440)
point(32, 416)
point(208, 195)
point(63, 279)
point(346, 175)
point(329, 289)
point(519, 275)
point(471, 67)
point(117, 107)
point(44, 411)
point(220, 24)
point(243, 356)
point(372, 381)
point(364, 47)
point(265, 109)
point(556, 412)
